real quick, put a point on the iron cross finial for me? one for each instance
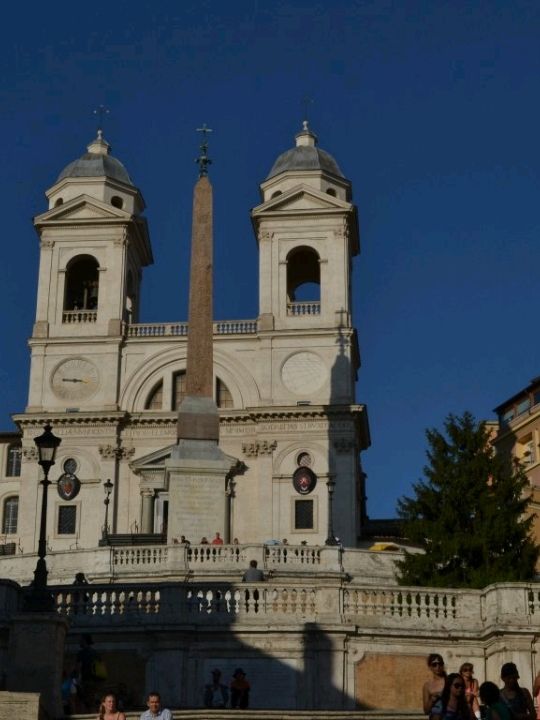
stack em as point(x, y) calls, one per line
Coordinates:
point(203, 161)
point(101, 111)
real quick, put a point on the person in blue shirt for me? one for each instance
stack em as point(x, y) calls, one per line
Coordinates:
point(155, 711)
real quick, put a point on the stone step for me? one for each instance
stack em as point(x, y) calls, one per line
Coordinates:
point(229, 714)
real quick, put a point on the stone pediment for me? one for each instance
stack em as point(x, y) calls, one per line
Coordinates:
point(155, 461)
point(302, 197)
point(82, 207)
point(152, 461)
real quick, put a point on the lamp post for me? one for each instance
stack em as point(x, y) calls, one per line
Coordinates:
point(47, 445)
point(331, 539)
point(107, 487)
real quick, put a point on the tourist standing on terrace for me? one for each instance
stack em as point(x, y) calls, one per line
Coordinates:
point(432, 690)
point(518, 699)
point(218, 540)
point(471, 687)
point(491, 699)
point(155, 711)
point(240, 688)
point(216, 694)
point(452, 705)
point(108, 709)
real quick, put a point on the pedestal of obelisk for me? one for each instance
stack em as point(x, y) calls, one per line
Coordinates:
point(196, 474)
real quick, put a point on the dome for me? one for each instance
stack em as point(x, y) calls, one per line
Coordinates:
point(97, 162)
point(305, 156)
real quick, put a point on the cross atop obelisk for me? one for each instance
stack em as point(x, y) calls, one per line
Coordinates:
point(198, 415)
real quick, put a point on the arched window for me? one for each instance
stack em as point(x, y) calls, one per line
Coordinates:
point(117, 202)
point(303, 282)
point(224, 398)
point(155, 400)
point(60, 201)
point(82, 286)
point(178, 388)
point(13, 464)
point(10, 515)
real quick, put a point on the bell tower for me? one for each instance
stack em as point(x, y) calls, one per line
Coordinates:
point(94, 243)
point(307, 231)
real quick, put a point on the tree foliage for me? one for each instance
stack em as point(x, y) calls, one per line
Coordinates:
point(469, 513)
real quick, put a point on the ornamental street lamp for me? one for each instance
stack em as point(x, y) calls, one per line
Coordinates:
point(47, 445)
point(331, 539)
point(107, 488)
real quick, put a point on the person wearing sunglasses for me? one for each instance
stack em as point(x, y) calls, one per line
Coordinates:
point(432, 690)
point(453, 705)
point(471, 688)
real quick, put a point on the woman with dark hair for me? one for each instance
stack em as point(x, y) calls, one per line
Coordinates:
point(108, 708)
point(491, 698)
point(517, 699)
point(453, 705)
point(431, 692)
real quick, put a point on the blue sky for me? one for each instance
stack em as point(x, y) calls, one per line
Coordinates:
point(431, 109)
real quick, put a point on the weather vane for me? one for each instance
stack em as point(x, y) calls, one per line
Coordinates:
point(101, 111)
point(203, 161)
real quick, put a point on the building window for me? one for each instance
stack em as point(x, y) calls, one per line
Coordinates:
point(178, 388)
point(117, 202)
point(10, 516)
point(523, 406)
point(67, 519)
point(155, 400)
point(303, 515)
point(82, 284)
point(526, 450)
point(223, 395)
point(13, 465)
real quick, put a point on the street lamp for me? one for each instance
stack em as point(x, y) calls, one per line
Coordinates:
point(331, 539)
point(47, 445)
point(107, 488)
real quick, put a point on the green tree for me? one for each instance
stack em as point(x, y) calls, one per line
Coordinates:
point(468, 514)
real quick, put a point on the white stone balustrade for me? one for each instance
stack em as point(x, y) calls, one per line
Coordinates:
point(303, 308)
point(79, 316)
point(175, 562)
point(180, 329)
point(285, 603)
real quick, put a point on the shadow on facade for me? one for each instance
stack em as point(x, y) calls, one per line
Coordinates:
point(290, 664)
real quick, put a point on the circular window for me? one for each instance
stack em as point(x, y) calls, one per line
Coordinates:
point(304, 480)
point(70, 466)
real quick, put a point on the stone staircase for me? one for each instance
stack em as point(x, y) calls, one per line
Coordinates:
point(229, 714)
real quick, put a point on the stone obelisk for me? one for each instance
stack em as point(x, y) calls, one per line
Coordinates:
point(197, 468)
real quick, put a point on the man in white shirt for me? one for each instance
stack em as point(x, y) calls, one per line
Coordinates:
point(155, 711)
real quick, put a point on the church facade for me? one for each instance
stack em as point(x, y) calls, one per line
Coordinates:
point(111, 385)
point(329, 620)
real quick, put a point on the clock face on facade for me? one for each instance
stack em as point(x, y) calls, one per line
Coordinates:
point(75, 379)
